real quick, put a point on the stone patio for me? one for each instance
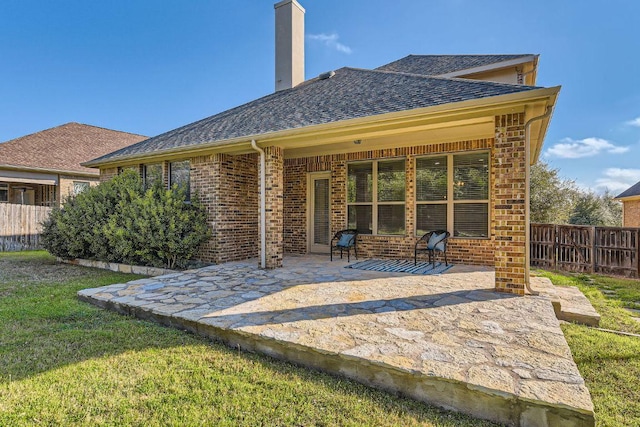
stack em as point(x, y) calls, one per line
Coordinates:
point(448, 339)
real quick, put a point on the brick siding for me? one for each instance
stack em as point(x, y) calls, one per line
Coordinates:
point(467, 251)
point(227, 186)
point(631, 213)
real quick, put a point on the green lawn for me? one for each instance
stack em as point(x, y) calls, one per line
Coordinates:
point(609, 363)
point(63, 362)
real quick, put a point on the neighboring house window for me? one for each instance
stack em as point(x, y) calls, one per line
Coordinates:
point(452, 193)
point(179, 175)
point(79, 187)
point(4, 192)
point(376, 196)
point(151, 174)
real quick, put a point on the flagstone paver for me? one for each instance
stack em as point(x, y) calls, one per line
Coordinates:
point(445, 339)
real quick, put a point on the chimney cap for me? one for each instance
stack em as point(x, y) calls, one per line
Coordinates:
point(283, 2)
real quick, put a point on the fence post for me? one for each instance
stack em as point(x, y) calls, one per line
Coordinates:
point(594, 231)
point(555, 246)
point(638, 250)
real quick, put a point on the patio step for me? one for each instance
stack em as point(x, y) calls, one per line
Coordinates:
point(569, 303)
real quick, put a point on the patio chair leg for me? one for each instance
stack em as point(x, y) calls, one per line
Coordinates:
point(331, 254)
point(349, 255)
point(446, 263)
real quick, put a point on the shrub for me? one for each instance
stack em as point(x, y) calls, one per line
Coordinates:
point(118, 221)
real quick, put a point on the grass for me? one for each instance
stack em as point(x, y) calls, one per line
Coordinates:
point(609, 363)
point(64, 362)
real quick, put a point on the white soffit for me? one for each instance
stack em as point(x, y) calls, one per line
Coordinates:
point(28, 177)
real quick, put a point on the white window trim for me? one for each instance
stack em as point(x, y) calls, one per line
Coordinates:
point(374, 195)
point(450, 202)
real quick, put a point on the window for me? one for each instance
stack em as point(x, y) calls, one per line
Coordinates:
point(376, 197)
point(134, 168)
point(4, 193)
point(179, 175)
point(452, 193)
point(79, 187)
point(151, 174)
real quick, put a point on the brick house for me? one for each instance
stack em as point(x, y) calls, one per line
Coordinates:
point(630, 199)
point(44, 168)
point(425, 142)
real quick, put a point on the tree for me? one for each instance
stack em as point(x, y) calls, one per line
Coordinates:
point(552, 198)
point(120, 221)
point(594, 209)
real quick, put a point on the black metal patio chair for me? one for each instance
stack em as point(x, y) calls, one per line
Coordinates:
point(345, 240)
point(433, 241)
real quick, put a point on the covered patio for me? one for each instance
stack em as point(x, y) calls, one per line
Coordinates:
point(448, 339)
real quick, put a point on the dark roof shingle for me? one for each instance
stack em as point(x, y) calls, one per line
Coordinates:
point(351, 93)
point(435, 65)
point(64, 147)
point(634, 190)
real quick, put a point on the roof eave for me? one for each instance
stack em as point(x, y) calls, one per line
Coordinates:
point(49, 170)
point(628, 198)
point(491, 67)
point(477, 106)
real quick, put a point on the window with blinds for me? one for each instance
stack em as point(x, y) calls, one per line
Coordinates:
point(452, 193)
point(376, 196)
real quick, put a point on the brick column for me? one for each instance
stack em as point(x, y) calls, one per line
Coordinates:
point(338, 194)
point(274, 205)
point(508, 203)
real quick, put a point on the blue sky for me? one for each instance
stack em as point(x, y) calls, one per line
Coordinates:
point(151, 66)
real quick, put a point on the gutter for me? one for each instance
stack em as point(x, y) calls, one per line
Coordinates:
point(527, 195)
point(263, 205)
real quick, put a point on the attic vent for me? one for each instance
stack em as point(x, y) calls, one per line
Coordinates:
point(327, 75)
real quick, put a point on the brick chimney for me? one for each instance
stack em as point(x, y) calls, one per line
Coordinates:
point(289, 44)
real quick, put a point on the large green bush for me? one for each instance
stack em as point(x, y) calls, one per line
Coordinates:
point(118, 221)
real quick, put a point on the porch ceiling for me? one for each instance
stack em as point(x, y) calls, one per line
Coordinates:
point(432, 133)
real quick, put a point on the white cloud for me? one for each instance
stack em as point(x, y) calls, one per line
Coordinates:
point(331, 41)
point(569, 148)
point(617, 180)
point(634, 122)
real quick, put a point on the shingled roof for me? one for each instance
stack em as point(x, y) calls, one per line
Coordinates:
point(351, 93)
point(632, 191)
point(435, 65)
point(64, 147)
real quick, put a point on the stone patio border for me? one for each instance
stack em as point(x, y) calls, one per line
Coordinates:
point(117, 267)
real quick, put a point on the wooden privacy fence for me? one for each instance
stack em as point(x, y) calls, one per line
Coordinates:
point(20, 226)
point(581, 248)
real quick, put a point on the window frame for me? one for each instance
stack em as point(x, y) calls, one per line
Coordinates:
point(450, 201)
point(170, 180)
point(374, 203)
point(145, 173)
point(85, 186)
point(5, 187)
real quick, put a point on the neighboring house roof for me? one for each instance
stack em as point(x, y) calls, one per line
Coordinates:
point(349, 94)
point(63, 148)
point(435, 65)
point(632, 191)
